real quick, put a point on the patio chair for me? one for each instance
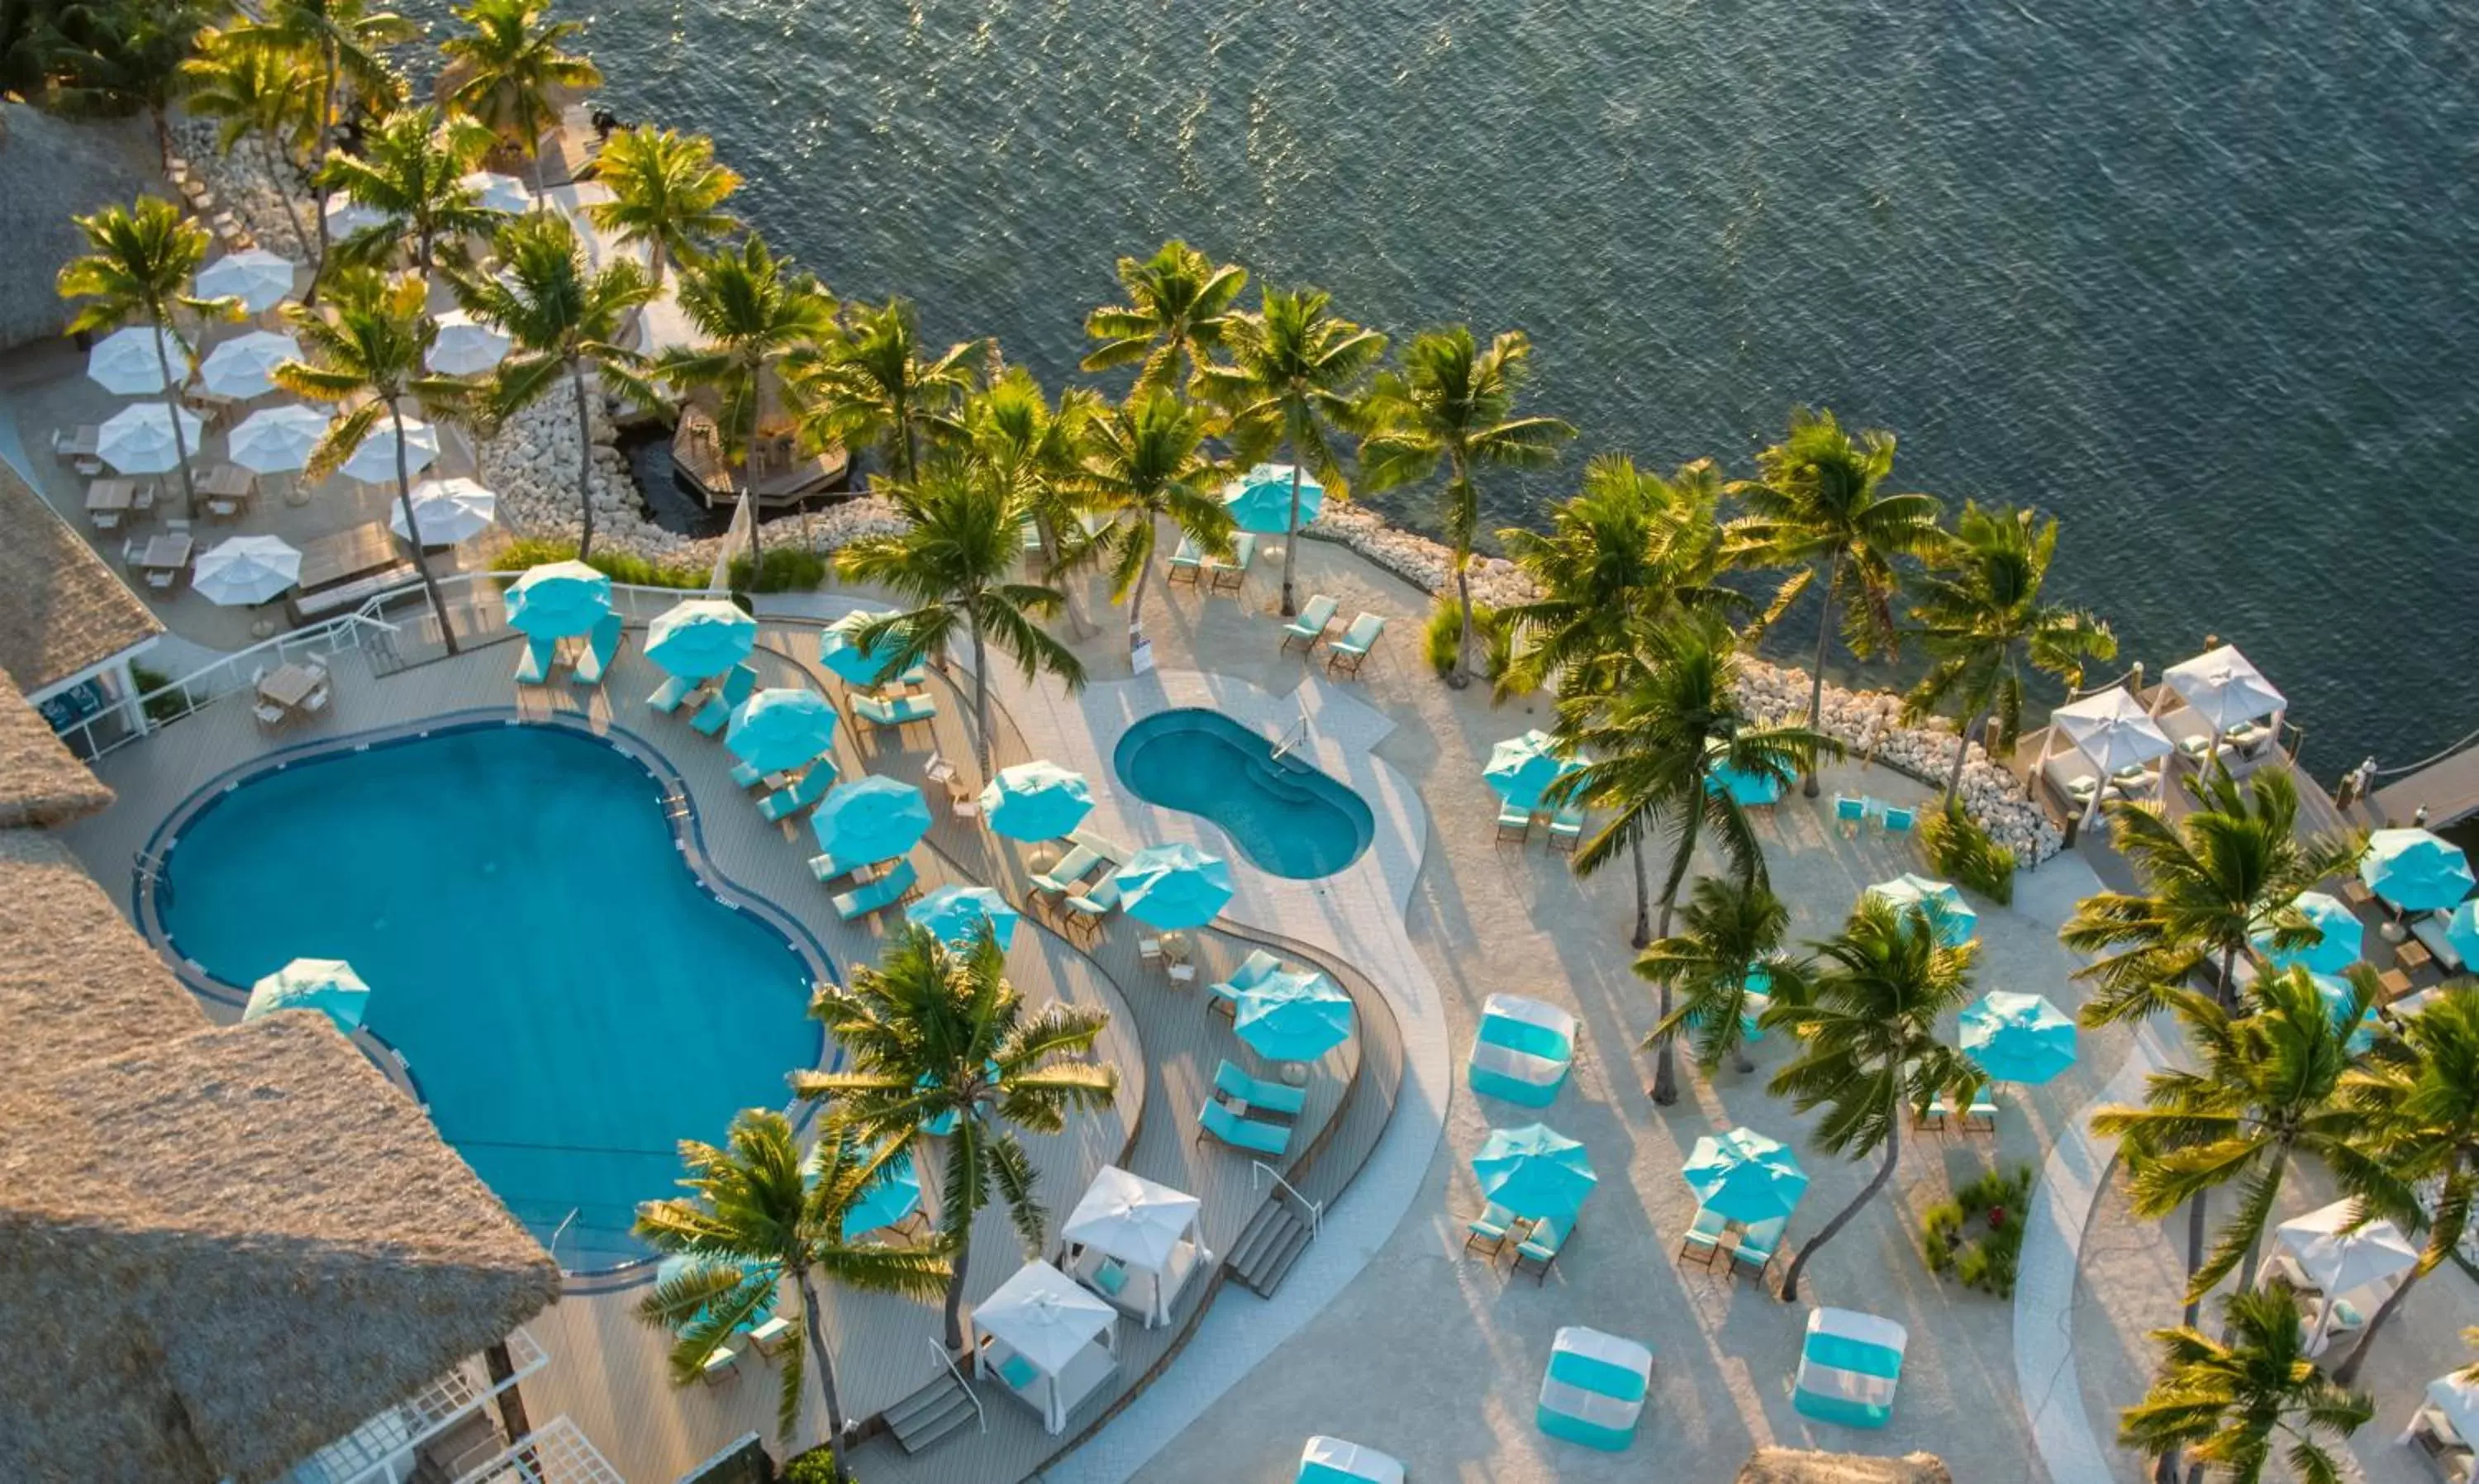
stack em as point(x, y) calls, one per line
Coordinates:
point(898, 712)
point(1566, 828)
point(1186, 562)
point(804, 793)
point(1897, 821)
point(1273, 1097)
point(1346, 655)
point(269, 713)
point(1540, 1247)
point(1850, 813)
point(601, 647)
point(1756, 1247)
point(829, 870)
point(720, 1367)
point(1514, 823)
point(669, 694)
point(533, 666)
point(1062, 877)
point(1240, 1133)
point(716, 713)
point(1253, 970)
point(1315, 619)
point(1981, 1118)
point(1230, 576)
point(1089, 909)
point(877, 894)
point(1488, 1230)
point(1703, 1239)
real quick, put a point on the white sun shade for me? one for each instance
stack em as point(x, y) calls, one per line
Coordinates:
point(127, 362)
point(464, 346)
point(1042, 1315)
point(276, 439)
point(446, 511)
point(257, 277)
point(246, 570)
point(2222, 688)
point(1132, 1218)
point(2342, 1264)
point(346, 217)
point(244, 368)
point(499, 193)
point(138, 440)
point(2111, 730)
point(375, 461)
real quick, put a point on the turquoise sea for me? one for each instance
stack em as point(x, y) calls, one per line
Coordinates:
point(2203, 280)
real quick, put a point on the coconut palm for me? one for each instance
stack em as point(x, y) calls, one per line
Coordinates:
point(1819, 505)
point(1866, 1022)
point(260, 94)
point(1982, 616)
point(508, 73)
point(564, 318)
point(348, 43)
point(1179, 302)
point(1453, 406)
point(1146, 462)
point(667, 192)
point(952, 561)
point(1731, 930)
point(764, 1216)
point(1292, 380)
point(110, 58)
point(874, 386)
point(1038, 450)
point(2233, 1404)
point(936, 1035)
point(367, 354)
point(138, 268)
point(411, 172)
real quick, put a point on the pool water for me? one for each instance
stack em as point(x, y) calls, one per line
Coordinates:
point(1286, 816)
point(569, 998)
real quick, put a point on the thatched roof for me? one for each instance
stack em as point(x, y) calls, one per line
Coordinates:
point(40, 784)
point(60, 608)
point(52, 169)
point(1797, 1466)
point(223, 1250)
point(76, 982)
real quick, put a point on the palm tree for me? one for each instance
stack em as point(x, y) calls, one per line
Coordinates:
point(1454, 404)
point(117, 57)
point(962, 540)
point(667, 192)
point(562, 317)
point(1732, 929)
point(1179, 302)
point(348, 42)
point(1293, 379)
point(1819, 504)
point(411, 172)
point(138, 268)
point(508, 73)
point(1982, 616)
point(1866, 1021)
point(366, 355)
point(937, 1035)
point(873, 386)
point(1038, 450)
point(764, 1216)
point(2232, 1402)
point(1147, 462)
point(257, 94)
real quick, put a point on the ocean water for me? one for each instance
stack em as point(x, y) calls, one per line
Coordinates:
point(2198, 279)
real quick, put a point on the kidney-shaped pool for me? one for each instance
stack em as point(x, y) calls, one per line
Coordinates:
point(1285, 815)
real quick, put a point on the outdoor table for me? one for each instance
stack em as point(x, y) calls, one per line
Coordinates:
point(165, 555)
point(341, 556)
point(111, 495)
point(2412, 956)
point(227, 481)
point(287, 685)
point(81, 445)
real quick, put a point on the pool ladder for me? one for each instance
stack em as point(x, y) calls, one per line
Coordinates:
point(675, 806)
point(148, 868)
point(1294, 736)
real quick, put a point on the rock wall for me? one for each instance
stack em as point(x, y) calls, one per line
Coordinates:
point(246, 185)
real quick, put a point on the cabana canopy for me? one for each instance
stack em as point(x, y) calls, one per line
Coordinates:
point(1592, 1391)
point(1136, 1235)
point(1848, 1367)
point(2220, 687)
point(2111, 730)
point(1057, 1337)
point(1333, 1461)
point(1523, 1050)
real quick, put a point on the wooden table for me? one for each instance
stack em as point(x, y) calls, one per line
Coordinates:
point(110, 495)
point(347, 555)
point(80, 444)
point(165, 557)
point(289, 685)
point(2412, 956)
point(227, 481)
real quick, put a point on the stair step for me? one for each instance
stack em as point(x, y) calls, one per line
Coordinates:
point(933, 1425)
point(1269, 1275)
point(1265, 1228)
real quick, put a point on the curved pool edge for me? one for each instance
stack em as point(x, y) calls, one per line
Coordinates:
point(1323, 791)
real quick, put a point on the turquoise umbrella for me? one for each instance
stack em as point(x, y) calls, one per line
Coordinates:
point(2414, 870)
point(778, 729)
point(701, 638)
point(1744, 1176)
point(1744, 788)
point(558, 601)
point(2018, 1038)
point(1534, 1171)
point(1261, 501)
point(2462, 930)
point(1521, 768)
point(894, 1195)
point(2344, 937)
point(680, 1264)
point(1953, 917)
point(1174, 886)
point(874, 818)
point(837, 651)
point(327, 984)
point(1035, 800)
point(1291, 1016)
point(956, 913)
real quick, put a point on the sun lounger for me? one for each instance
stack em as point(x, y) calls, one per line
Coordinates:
point(533, 666)
point(1850, 813)
point(601, 647)
point(1029, 530)
point(1346, 655)
point(1253, 970)
point(1981, 1118)
point(1186, 562)
point(1280, 1099)
point(1703, 1239)
point(771, 1337)
point(894, 712)
point(1514, 823)
point(720, 1367)
point(744, 776)
point(1311, 623)
point(877, 894)
point(716, 713)
point(1089, 909)
point(1228, 577)
point(804, 793)
point(1488, 1230)
point(1897, 821)
point(829, 870)
point(1757, 1247)
point(1932, 1118)
point(1539, 1249)
point(1060, 879)
point(1566, 828)
point(1240, 1133)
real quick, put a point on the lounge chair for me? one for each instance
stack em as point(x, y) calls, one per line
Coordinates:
point(1089, 909)
point(772, 1337)
point(1311, 623)
point(1186, 562)
point(1566, 828)
point(1933, 1118)
point(1540, 1247)
point(1029, 530)
point(894, 712)
point(533, 666)
point(1756, 1247)
point(720, 1367)
point(601, 647)
point(877, 894)
point(669, 694)
point(1514, 823)
point(1850, 813)
point(1346, 655)
point(745, 776)
point(1703, 1239)
point(804, 793)
point(1240, 1133)
point(1897, 821)
point(1253, 970)
point(1281, 1099)
point(1488, 1230)
point(1061, 879)
point(716, 713)
point(1229, 577)
point(829, 870)
point(1981, 1118)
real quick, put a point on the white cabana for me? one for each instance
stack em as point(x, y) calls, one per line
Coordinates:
point(497, 193)
point(246, 570)
point(465, 347)
point(2447, 1420)
point(1135, 1242)
point(2352, 1272)
point(1047, 1341)
point(138, 440)
point(243, 366)
point(2112, 732)
point(276, 439)
point(1333, 1461)
point(131, 361)
point(2224, 692)
point(257, 277)
point(375, 461)
point(445, 511)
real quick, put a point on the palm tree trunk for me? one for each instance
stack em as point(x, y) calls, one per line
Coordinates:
point(954, 1307)
point(276, 160)
point(749, 471)
point(1665, 1071)
point(1461, 675)
point(1842, 1217)
point(1291, 543)
point(1136, 605)
point(421, 560)
point(1643, 936)
point(1962, 751)
point(825, 1368)
point(328, 64)
point(1808, 785)
point(1461, 499)
point(173, 404)
point(980, 701)
point(2347, 1373)
point(585, 468)
point(2196, 1227)
point(1048, 531)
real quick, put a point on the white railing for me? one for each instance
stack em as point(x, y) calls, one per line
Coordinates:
point(557, 1452)
point(365, 1454)
point(949, 1361)
point(110, 728)
point(1259, 1171)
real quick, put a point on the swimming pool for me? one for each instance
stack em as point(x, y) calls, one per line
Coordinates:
point(1287, 817)
point(567, 994)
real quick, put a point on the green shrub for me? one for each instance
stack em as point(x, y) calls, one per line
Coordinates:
point(1445, 631)
point(171, 706)
point(1976, 1238)
point(1940, 1230)
point(1963, 852)
point(623, 566)
point(816, 1467)
point(787, 570)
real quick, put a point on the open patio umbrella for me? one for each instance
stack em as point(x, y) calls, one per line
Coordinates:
point(246, 570)
point(126, 364)
point(956, 914)
point(257, 277)
point(326, 984)
point(1953, 917)
point(138, 438)
point(445, 511)
point(1534, 1171)
point(243, 366)
point(2459, 1400)
point(1035, 800)
point(873, 818)
point(2415, 870)
point(497, 193)
point(1261, 501)
point(346, 217)
point(558, 600)
point(276, 439)
point(837, 651)
point(2461, 931)
point(464, 346)
point(780, 729)
point(701, 638)
point(2220, 687)
point(2337, 996)
point(1292, 1016)
point(2018, 1038)
point(1174, 886)
point(1521, 768)
point(2344, 936)
point(1744, 1176)
point(894, 1195)
point(2339, 1260)
point(375, 461)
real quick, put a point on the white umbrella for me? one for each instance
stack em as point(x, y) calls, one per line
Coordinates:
point(276, 439)
point(445, 511)
point(126, 363)
point(257, 277)
point(138, 440)
point(499, 193)
point(375, 461)
point(246, 570)
point(243, 366)
point(2222, 688)
point(2111, 730)
point(2341, 1262)
point(465, 347)
point(346, 217)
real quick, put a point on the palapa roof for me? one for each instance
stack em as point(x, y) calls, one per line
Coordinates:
point(40, 784)
point(51, 170)
point(76, 983)
point(60, 608)
point(1798, 1466)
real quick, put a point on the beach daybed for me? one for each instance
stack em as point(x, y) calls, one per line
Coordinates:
point(1333, 1461)
point(1594, 1387)
point(1315, 619)
point(1136, 1242)
point(1346, 655)
point(1047, 1341)
point(1850, 1368)
point(1523, 1050)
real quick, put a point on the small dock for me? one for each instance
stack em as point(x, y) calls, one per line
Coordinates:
point(782, 475)
point(2447, 788)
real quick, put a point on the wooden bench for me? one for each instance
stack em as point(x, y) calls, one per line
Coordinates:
point(328, 601)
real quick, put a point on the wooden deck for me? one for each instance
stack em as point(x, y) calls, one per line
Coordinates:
point(2447, 789)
